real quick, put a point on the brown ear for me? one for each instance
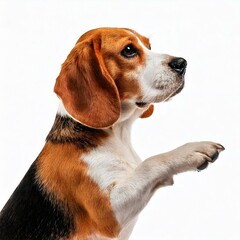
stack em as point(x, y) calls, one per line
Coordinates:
point(85, 87)
point(148, 112)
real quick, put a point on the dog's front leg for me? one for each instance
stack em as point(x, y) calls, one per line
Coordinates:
point(130, 195)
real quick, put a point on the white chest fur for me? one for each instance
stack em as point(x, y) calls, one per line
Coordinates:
point(114, 159)
point(110, 163)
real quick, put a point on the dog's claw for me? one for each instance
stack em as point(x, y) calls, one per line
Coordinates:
point(203, 166)
point(215, 156)
point(220, 147)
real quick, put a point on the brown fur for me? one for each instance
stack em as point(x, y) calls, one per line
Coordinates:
point(64, 175)
point(86, 91)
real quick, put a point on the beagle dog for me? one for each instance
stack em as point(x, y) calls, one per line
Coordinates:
point(88, 183)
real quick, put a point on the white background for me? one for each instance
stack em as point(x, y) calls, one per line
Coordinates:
point(36, 37)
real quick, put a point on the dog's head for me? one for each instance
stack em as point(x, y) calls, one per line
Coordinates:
point(113, 69)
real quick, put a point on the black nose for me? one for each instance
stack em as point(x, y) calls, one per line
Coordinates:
point(178, 65)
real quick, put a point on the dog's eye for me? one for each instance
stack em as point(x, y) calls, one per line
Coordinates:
point(129, 51)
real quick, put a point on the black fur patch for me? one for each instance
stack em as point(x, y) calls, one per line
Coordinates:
point(66, 130)
point(30, 214)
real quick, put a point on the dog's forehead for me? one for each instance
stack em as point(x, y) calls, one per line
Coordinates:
point(114, 34)
point(142, 38)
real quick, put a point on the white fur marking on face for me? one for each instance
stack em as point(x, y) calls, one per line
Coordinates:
point(157, 81)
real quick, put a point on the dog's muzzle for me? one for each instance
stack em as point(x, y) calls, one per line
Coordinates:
point(178, 65)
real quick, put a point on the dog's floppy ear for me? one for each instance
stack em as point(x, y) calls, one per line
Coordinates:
point(85, 87)
point(148, 112)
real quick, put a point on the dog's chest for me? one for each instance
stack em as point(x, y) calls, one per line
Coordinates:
point(111, 161)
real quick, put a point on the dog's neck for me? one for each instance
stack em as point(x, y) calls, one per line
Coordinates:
point(122, 128)
point(68, 129)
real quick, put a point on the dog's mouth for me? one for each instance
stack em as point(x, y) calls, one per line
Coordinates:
point(161, 98)
point(141, 104)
